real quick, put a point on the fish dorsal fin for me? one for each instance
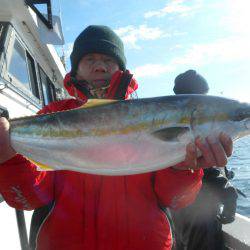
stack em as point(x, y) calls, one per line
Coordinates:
point(97, 102)
point(171, 133)
point(41, 166)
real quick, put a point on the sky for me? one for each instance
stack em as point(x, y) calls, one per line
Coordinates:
point(164, 38)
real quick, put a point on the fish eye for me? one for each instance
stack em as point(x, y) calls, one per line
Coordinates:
point(241, 114)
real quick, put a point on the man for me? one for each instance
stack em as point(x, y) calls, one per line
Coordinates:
point(103, 212)
point(190, 82)
point(198, 226)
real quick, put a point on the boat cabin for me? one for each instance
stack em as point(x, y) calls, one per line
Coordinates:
point(31, 72)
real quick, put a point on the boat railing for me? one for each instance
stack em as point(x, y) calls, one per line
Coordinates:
point(237, 234)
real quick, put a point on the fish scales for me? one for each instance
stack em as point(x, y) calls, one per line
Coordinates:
point(126, 137)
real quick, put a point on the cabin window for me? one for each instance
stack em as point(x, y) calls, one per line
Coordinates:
point(1, 31)
point(24, 74)
point(47, 87)
point(2, 34)
point(18, 65)
point(32, 75)
point(22, 71)
point(52, 90)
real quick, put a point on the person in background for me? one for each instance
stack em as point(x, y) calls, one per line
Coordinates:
point(97, 212)
point(199, 226)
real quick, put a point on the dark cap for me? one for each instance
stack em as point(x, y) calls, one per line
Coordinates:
point(97, 39)
point(190, 82)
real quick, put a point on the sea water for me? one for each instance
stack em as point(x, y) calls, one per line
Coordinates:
point(239, 162)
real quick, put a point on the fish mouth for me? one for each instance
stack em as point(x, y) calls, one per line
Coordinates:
point(247, 123)
point(242, 114)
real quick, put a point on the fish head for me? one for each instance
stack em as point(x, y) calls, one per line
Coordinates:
point(241, 118)
point(213, 115)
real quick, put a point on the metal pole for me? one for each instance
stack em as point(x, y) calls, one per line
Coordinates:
point(22, 230)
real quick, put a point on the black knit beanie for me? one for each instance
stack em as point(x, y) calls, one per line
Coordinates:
point(190, 82)
point(97, 39)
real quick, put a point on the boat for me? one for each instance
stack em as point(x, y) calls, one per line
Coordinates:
point(237, 234)
point(27, 37)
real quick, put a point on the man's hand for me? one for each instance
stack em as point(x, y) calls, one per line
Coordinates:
point(216, 185)
point(214, 153)
point(6, 151)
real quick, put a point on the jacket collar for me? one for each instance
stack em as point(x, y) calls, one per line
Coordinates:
point(122, 85)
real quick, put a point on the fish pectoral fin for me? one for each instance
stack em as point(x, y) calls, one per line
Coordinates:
point(171, 133)
point(97, 102)
point(41, 166)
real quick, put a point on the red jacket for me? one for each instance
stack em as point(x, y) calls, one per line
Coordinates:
point(95, 212)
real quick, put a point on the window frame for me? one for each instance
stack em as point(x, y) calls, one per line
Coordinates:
point(12, 78)
point(50, 88)
point(31, 93)
point(4, 41)
point(47, 21)
point(34, 83)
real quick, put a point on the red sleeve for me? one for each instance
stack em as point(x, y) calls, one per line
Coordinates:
point(21, 185)
point(177, 188)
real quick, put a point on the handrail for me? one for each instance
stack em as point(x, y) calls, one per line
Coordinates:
point(237, 234)
point(22, 230)
point(17, 91)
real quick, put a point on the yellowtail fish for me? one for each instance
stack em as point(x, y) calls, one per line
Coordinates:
point(126, 137)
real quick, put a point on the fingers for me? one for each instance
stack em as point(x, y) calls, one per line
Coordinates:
point(6, 151)
point(209, 159)
point(4, 124)
point(214, 150)
point(217, 150)
point(191, 156)
point(190, 161)
point(227, 143)
point(4, 129)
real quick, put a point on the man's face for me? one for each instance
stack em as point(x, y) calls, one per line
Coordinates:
point(97, 70)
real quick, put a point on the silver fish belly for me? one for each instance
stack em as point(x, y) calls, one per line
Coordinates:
point(126, 137)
